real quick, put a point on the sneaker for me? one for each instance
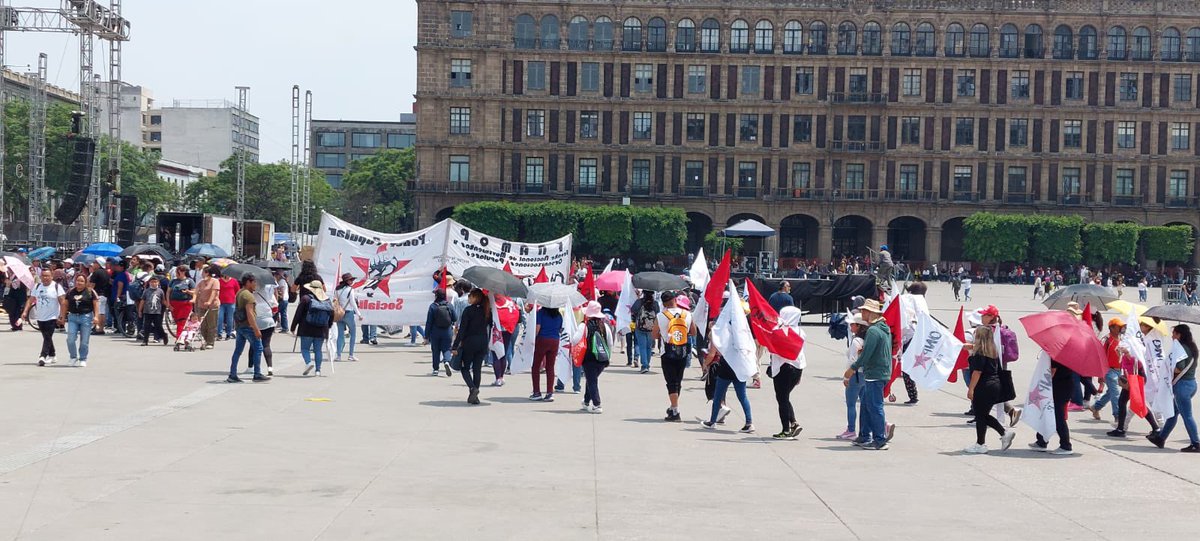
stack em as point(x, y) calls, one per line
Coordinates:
point(535, 397)
point(847, 435)
point(352, 359)
point(673, 416)
point(473, 398)
point(1157, 440)
point(970, 413)
point(52, 359)
point(721, 415)
point(976, 449)
point(877, 446)
point(910, 402)
point(597, 409)
point(41, 361)
point(1193, 448)
point(448, 371)
point(261, 378)
point(1118, 433)
point(337, 359)
point(1038, 447)
point(644, 371)
point(1062, 452)
point(495, 383)
point(233, 379)
point(436, 373)
point(859, 442)
point(1073, 407)
point(548, 397)
point(72, 362)
point(1007, 439)
point(1095, 413)
point(747, 429)
point(795, 430)
point(270, 372)
point(1014, 416)
point(375, 342)
point(586, 407)
point(307, 368)
point(784, 435)
point(82, 364)
point(890, 431)
point(500, 382)
point(708, 424)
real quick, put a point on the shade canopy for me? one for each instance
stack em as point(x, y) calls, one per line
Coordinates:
point(748, 228)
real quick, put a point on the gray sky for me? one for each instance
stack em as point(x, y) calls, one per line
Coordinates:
point(356, 56)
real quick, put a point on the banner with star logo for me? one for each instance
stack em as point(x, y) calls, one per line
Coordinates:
point(932, 353)
point(1039, 403)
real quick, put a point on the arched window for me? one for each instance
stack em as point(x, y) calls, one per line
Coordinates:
point(656, 36)
point(793, 38)
point(524, 32)
point(685, 36)
point(1010, 46)
point(710, 36)
point(739, 37)
point(764, 37)
point(577, 34)
point(1141, 43)
point(1193, 45)
point(901, 39)
point(1170, 49)
point(549, 32)
point(847, 38)
point(1087, 43)
point(1064, 43)
point(925, 43)
point(1034, 48)
point(872, 39)
point(631, 35)
point(818, 38)
point(979, 46)
point(955, 40)
point(604, 34)
point(1117, 46)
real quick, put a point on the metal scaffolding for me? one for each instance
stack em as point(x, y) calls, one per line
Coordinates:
point(306, 172)
point(243, 92)
point(295, 224)
point(37, 151)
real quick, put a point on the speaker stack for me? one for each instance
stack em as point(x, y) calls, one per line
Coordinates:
point(127, 223)
point(74, 199)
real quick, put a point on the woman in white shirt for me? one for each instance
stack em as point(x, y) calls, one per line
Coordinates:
point(266, 304)
point(786, 374)
point(854, 385)
point(348, 300)
point(49, 304)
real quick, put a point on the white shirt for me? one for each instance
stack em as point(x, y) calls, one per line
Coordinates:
point(856, 344)
point(46, 301)
point(1142, 285)
point(664, 323)
point(264, 301)
point(347, 298)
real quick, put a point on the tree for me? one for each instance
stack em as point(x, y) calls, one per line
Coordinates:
point(717, 244)
point(59, 148)
point(139, 179)
point(659, 231)
point(996, 238)
point(605, 230)
point(496, 218)
point(543, 222)
point(375, 190)
point(1107, 243)
point(268, 192)
point(1168, 243)
point(1054, 240)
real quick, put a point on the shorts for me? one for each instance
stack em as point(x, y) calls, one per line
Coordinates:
point(673, 367)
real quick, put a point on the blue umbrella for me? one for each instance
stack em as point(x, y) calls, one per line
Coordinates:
point(84, 259)
point(207, 250)
point(45, 252)
point(103, 249)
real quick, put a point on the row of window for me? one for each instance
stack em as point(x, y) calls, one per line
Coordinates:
point(337, 160)
point(365, 140)
point(902, 40)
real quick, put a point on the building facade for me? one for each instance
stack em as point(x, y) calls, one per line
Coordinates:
point(337, 143)
point(202, 133)
point(843, 124)
point(17, 85)
point(180, 176)
point(135, 102)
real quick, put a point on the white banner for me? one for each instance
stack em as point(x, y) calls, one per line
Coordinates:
point(1160, 397)
point(932, 353)
point(731, 336)
point(469, 248)
point(1039, 403)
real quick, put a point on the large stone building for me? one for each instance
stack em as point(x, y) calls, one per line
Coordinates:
point(842, 123)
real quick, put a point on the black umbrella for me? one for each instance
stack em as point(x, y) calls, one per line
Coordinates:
point(148, 249)
point(496, 281)
point(272, 264)
point(658, 281)
point(240, 270)
point(24, 259)
point(1097, 296)
point(1175, 312)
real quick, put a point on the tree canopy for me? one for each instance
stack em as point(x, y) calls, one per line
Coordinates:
point(375, 190)
point(268, 193)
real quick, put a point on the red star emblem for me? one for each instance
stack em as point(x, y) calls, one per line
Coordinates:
point(378, 272)
point(922, 360)
point(1036, 397)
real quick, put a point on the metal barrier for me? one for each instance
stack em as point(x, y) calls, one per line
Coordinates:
point(1172, 294)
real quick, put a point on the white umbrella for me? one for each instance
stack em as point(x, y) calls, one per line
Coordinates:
point(555, 295)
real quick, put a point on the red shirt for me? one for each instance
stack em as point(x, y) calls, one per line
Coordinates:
point(229, 290)
point(1110, 347)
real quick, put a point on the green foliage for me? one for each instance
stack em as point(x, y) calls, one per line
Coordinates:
point(996, 238)
point(606, 230)
point(716, 244)
point(139, 179)
point(268, 193)
point(375, 190)
point(1168, 243)
point(544, 222)
point(496, 218)
point(1054, 240)
point(659, 231)
point(1107, 243)
point(16, 148)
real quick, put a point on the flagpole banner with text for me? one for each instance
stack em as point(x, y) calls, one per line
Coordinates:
point(469, 248)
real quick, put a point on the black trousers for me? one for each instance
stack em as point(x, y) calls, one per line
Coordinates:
point(472, 366)
point(984, 420)
point(591, 377)
point(266, 344)
point(47, 329)
point(786, 380)
point(1123, 412)
point(910, 387)
point(152, 323)
point(1062, 390)
point(673, 368)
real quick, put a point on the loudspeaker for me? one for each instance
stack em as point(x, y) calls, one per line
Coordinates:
point(74, 199)
point(127, 223)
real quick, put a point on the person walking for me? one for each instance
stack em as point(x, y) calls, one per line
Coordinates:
point(101, 283)
point(782, 297)
point(15, 296)
point(674, 326)
point(247, 331)
point(439, 322)
point(599, 342)
point(266, 308)
point(314, 317)
point(1129, 367)
point(472, 341)
point(1143, 289)
point(955, 286)
point(875, 361)
point(151, 309)
point(227, 296)
point(786, 374)
point(282, 296)
point(548, 324)
point(985, 390)
point(208, 303)
point(1184, 385)
point(1062, 380)
point(1111, 386)
point(183, 291)
point(645, 314)
point(348, 299)
point(854, 384)
point(724, 376)
point(83, 315)
point(48, 303)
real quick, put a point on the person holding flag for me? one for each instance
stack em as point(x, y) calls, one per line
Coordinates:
point(731, 358)
point(1111, 385)
point(1135, 380)
point(786, 373)
point(985, 391)
point(674, 328)
point(1185, 354)
point(875, 360)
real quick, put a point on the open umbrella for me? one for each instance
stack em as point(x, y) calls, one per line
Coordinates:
point(496, 281)
point(147, 249)
point(658, 281)
point(19, 269)
point(611, 280)
point(206, 250)
point(240, 270)
point(1081, 293)
point(1067, 340)
point(18, 256)
point(1175, 312)
point(83, 259)
point(103, 249)
point(555, 295)
point(43, 253)
point(222, 262)
point(1134, 310)
point(272, 264)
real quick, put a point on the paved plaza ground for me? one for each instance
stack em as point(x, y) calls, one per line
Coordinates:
point(148, 443)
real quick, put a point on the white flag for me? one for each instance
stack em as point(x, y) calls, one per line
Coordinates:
point(1160, 397)
point(931, 354)
point(609, 266)
point(571, 333)
point(625, 302)
point(700, 315)
point(522, 360)
point(731, 336)
point(699, 274)
point(1039, 403)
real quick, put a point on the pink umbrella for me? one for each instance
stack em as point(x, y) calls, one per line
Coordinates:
point(1068, 340)
point(611, 280)
point(20, 270)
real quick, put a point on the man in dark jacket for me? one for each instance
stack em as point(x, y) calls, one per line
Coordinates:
point(782, 298)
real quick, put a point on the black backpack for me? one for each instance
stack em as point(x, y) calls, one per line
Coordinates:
point(442, 317)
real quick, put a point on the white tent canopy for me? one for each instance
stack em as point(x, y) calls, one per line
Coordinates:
point(748, 228)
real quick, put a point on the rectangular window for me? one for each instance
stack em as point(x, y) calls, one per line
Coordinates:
point(535, 122)
point(1177, 185)
point(460, 120)
point(643, 77)
point(1018, 132)
point(963, 186)
point(1129, 86)
point(855, 180)
point(587, 175)
point(695, 126)
point(1073, 89)
point(156, 120)
point(1020, 84)
point(640, 182)
point(460, 168)
point(155, 137)
point(331, 139)
point(535, 75)
point(802, 128)
point(966, 83)
point(910, 130)
point(697, 79)
point(911, 82)
point(1016, 183)
point(1072, 133)
point(964, 131)
point(747, 179)
point(331, 160)
point(1070, 185)
point(750, 80)
point(856, 128)
point(858, 84)
point(801, 175)
point(1181, 136)
point(908, 179)
point(748, 128)
point(535, 174)
point(1124, 183)
point(589, 124)
point(460, 24)
point(334, 180)
point(589, 77)
point(401, 140)
point(641, 125)
point(356, 157)
point(366, 140)
point(460, 72)
point(693, 178)
point(1183, 87)
point(804, 80)
point(1126, 134)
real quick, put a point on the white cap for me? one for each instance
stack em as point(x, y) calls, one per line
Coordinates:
point(101, 260)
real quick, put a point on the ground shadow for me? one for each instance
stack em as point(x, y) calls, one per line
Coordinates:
point(1147, 448)
point(208, 373)
point(511, 400)
point(452, 403)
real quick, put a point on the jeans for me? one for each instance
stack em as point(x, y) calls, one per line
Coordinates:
point(79, 325)
point(853, 390)
point(739, 388)
point(312, 346)
point(872, 410)
point(368, 333)
point(576, 377)
point(591, 373)
point(346, 324)
point(644, 343)
point(1141, 295)
point(1112, 391)
point(225, 321)
point(439, 343)
point(413, 332)
point(246, 335)
point(1184, 391)
point(283, 315)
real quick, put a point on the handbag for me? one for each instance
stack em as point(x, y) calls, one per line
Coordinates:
point(456, 362)
point(338, 311)
point(1007, 390)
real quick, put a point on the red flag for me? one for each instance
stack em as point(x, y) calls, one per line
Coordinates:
point(891, 315)
point(1087, 314)
point(541, 277)
point(960, 332)
point(1137, 395)
point(716, 288)
point(507, 312)
point(764, 324)
point(508, 268)
point(442, 279)
point(588, 286)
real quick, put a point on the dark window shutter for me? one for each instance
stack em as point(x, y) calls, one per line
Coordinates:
point(712, 176)
point(660, 128)
point(675, 174)
point(947, 85)
point(1001, 135)
point(766, 175)
point(731, 85)
point(768, 130)
point(998, 182)
point(822, 83)
point(714, 85)
point(1056, 87)
point(660, 173)
point(1110, 89)
point(1147, 93)
point(623, 128)
point(1035, 186)
point(820, 131)
point(1001, 87)
point(1162, 182)
point(678, 83)
point(892, 128)
point(515, 169)
point(1052, 185)
point(930, 85)
point(572, 77)
point(1054, 135)
point(1091, 136)
point(555, 77)
point(569, 172)
point(947, 131)
point(729, 172)
point(1093, 88)
point(661, 83)
point(677, 129)
point(571, 126)
point(785, 83)
point(552, 173)
point(893, 85)
point(927, 176)
point(1196, 141)
point(981, 182)
point(625, 79)
point(1089, 176)
point(876, 127)
point(607, 124)
point(606, 173)
point(730, 129)
point(839, 80)
point(1037, 135)
point(518, 77)
point(518, 125)
point(1106, 174)
point(714, 129)
point(783, 175)
point(838, 122)
point(890, 176)
point(1144, 135)
point(1162, 139)
point(1164, 90)
point(876, 81)
point(785, 127)
point(944, 180)
point(622, 173)
point(1109, 135)
point(608, 79)
point(768, 85)
point(1039, 87)
point(552, 128)
point(873, 175)
point(982, 125)
point(985, 86)
point(927, 137)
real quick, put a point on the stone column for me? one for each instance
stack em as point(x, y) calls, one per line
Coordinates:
point(933, 245)
point(824, 243)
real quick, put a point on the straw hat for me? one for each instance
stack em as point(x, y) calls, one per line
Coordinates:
point(317, 289)
point(1073, 307)
point(871, 305)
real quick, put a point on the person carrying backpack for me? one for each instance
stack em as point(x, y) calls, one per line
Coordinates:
point(1005, 341)
point(439, 329)
point(314, 316)
point(645, 321)
point(674, 326)
point(597, 356)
